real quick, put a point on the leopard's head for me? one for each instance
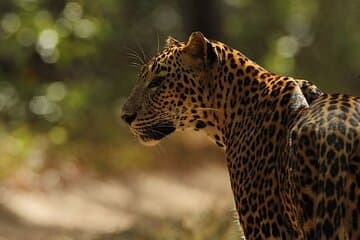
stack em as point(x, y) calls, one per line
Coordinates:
point(170, 89)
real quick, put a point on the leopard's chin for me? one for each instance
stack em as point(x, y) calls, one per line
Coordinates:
point(148, 142)
point(151, 135)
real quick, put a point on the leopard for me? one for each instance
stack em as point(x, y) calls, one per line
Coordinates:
point(292, 150)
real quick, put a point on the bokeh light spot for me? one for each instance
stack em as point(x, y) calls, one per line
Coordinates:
point(64, 27)
point(236, 3)
point(73, 11)
point(48, 39)
point(298, 25)
point(8, 96)
point(84, 28)
point(28, 5)
point(58, 135)
point(11, 22)
point(56, 91)
point(280, 64)
point(287, 46)
point(40, 105)
point(165, 18)
point(55, 114)
point(50, 56)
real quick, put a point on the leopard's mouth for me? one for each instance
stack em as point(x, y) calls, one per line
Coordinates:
point(152, 134)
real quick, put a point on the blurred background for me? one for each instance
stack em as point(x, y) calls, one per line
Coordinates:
point(70, 170)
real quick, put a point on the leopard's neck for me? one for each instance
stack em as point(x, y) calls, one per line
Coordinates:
point(254, 111)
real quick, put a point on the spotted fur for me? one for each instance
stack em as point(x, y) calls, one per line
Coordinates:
point(292, 151)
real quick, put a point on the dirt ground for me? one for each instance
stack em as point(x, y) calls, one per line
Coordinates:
point(92, 208)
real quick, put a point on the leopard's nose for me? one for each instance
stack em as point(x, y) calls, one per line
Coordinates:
point(129, 117)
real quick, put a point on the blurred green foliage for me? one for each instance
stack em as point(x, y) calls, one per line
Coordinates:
point(65, 69)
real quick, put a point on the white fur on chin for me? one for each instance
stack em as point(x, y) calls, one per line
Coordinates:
point(149, 143)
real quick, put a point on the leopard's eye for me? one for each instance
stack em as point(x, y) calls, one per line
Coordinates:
point(155, 82)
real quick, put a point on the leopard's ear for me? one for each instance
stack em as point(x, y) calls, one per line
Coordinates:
point(200, 47)
point(170, 41)
point(196, 45)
